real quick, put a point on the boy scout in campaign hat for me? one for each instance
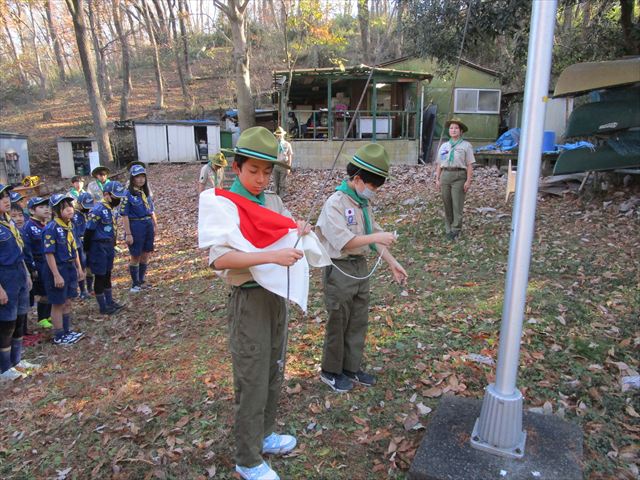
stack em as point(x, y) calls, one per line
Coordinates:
point(285, 155)
point(212, 173)
point(347, 230)
point(256, 316)
point(101, 175)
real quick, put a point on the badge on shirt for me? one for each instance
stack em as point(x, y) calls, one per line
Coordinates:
point(350, 216)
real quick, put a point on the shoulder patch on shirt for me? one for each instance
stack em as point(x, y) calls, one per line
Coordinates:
point(350, 216)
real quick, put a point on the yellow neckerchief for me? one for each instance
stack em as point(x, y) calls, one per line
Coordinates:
point(71, 241)
point(145, 200)
point(7, 222)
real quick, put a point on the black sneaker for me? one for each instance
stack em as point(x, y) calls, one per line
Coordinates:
point(363, 378)
point(338, 383)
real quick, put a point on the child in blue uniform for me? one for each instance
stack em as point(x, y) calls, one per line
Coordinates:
point(84, 203)
point(40, 213)
point(21, 202)
point(139, 225)
point(99, 244)
point(62, 269)
point(14, 291)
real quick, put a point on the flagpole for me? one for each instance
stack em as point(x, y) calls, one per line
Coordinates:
point(498, 430)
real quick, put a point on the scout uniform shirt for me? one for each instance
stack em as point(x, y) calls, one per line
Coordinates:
point(101, 219)
point(58, 238)
point(32, 235)
point(79, 225)
point(210, 177)
point(137, 206)
point(237, 277)
point(11, 243)
point(340, 221)
point(462, 154)
point(95, 188)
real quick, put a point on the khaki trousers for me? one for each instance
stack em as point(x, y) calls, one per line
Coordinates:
point(280, 180)
point(256, 329)
point(347, 303)
point(452, 191)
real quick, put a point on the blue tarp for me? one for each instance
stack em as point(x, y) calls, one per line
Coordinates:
point(510, 139)
point(507, 141)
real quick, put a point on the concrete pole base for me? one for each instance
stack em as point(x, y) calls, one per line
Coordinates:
point(498, 430)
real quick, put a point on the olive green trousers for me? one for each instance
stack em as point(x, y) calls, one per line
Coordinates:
point(256, 331)
point(452, 191)
point(347, 303)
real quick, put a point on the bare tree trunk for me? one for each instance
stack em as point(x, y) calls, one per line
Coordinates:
point(132, 28)
point(14, 51)
point(156, 58)
point(632, 45)
point(235, 10)
point(76, 8)
point(363, 21)
point(186, 94)
point(42, 78)
point(103, 83)
point(163, 34)
point(57, 50)
point(126, 62)
point(185, 41)
point(399, 40)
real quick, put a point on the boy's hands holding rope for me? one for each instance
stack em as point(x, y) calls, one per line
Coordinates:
point(304, 227)
point(287, 256)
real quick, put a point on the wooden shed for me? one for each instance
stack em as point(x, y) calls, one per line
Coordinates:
point(73, 155)
point(14, 157)
point(179, 141)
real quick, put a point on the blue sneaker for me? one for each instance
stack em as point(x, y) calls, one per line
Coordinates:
point(260, 472)
point(276, 444)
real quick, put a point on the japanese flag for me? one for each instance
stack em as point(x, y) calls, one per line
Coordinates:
point(228, 219)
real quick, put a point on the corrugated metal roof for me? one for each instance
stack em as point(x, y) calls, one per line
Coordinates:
point(358, 70)
point(13, 135)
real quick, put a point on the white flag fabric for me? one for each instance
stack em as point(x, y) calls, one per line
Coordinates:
point(219, 224)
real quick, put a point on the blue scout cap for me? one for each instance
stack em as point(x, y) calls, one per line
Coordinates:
point(5, 187)
point(116, 189)
point(35, 201)
point(86, 200)
point(137, 170)
point(15, 197)
point(57, 198)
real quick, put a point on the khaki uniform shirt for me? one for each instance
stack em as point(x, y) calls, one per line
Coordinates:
point(237, 277)
point(94, 189)
point(286, 155)
point(462, 155)
point(341, 219)
point(211, 178)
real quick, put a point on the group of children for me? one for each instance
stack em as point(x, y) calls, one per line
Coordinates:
point(348, 231)
point(50, 247)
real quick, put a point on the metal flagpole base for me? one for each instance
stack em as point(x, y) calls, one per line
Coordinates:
point(498, 430)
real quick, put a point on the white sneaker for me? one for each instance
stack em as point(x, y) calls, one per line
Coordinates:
point(135, 289)
point(276, 444)
point(10, 375)
point(28, 365)
point(260, 472)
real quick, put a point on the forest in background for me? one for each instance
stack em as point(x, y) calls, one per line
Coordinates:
point(221, 53)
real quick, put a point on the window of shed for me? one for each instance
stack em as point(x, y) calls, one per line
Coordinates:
point(474, 100)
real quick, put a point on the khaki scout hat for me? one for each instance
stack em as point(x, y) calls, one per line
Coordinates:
point(218, 159)
point(259, 143)
point(279, 131)
point(100, 169)
point(373, 158)
point(458, 122)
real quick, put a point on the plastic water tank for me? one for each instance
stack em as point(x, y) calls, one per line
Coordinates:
point(548, 141)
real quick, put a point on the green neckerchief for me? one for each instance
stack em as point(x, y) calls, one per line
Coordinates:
point(75, 193)
point(453, 146)
point(101, 185)
point(363, 203)
point(237, 187)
